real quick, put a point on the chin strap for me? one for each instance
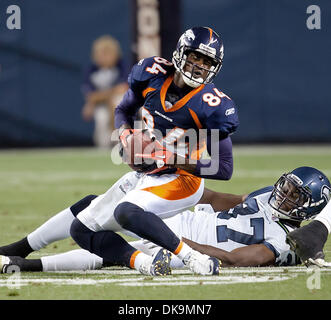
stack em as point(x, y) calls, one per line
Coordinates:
point(188, 79)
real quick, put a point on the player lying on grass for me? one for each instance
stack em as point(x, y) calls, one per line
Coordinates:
point(58, 227)
point(252, 233)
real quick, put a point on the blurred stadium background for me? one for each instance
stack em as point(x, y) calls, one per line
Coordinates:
point(275, 68)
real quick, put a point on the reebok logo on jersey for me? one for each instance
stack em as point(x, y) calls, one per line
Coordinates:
point(229, 111)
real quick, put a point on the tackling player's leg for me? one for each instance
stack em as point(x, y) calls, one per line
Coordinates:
point(140, 213)
point(308, 241)
point(116, 251)
point(151, 227)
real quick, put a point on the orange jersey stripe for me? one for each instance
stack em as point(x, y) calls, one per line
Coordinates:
point(164, 89)
point(133, 258)
point(182, 101)
point(180, 246)
point(195, 118)
point(147, 90)
point(180, 188)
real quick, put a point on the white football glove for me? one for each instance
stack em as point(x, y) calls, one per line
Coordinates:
point(318, 262)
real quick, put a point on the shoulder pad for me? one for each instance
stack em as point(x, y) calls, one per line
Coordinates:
point(149, 68)
point(220, 110)
point(259, 192)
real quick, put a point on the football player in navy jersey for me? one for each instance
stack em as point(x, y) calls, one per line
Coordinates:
point(177, 99)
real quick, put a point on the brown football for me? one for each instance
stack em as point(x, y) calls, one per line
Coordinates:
point(140, 142)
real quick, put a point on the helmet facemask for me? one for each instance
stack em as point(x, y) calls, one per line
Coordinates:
point(180, 60)
point(290, 200)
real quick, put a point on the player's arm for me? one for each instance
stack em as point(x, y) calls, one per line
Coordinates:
point(126, 110)
point(220, 167)
point(221, 121)
point(249, 256)
point(221, 201)
point(133, 99)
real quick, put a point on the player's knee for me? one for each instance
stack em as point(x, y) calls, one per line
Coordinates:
point(82, 204)
point(81, 234)
point(125, 213)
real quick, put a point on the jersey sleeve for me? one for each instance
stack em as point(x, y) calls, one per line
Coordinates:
point(142, 73)
point(276, 241)
point(260, 192)
point(223, 116)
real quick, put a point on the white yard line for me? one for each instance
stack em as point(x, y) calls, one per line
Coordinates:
point(179, 278)
point(143, 281)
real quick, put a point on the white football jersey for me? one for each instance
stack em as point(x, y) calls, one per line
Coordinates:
point(251, 222)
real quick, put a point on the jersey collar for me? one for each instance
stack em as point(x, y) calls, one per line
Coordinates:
point(180, 103)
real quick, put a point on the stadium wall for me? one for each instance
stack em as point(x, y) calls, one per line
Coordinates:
point(276, 69)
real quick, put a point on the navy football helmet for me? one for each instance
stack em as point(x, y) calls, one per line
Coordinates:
point(205, 41)
point(300, 194)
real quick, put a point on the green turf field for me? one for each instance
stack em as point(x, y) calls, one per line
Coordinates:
point(36, 184)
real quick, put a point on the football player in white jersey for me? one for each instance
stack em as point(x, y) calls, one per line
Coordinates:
point(252, 233)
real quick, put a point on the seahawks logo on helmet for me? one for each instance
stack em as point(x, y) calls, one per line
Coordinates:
point(325, 193)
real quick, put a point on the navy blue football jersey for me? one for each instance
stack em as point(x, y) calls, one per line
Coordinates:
point(172, 112)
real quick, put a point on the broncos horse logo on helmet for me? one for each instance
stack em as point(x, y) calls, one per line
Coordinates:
point(300, 194)
point(205, 41)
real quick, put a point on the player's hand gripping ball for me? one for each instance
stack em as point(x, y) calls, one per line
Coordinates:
point(138, 141)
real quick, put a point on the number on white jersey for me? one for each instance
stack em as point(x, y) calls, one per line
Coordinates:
point(224, 233)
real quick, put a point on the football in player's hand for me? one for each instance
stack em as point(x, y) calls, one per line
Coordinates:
point(139, 142)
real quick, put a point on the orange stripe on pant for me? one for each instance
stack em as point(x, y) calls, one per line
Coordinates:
point(181, 187)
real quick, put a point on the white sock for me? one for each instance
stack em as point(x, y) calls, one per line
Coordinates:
point(141, 258)
point(150, 248)
point(325, 216)
point(176, 263)
point(145, 246)
point(54, 229)
point(183, 250)
point(72, 260)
